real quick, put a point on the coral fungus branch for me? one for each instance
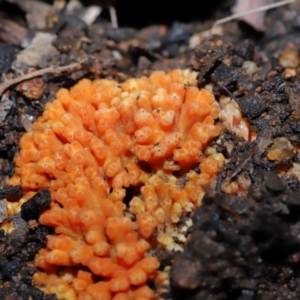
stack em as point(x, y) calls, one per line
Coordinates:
point(92, 145)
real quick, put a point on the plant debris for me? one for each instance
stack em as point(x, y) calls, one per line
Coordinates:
point(55, 70)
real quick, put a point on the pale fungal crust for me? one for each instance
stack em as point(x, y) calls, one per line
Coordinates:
point(232, 119)
point(93, 143)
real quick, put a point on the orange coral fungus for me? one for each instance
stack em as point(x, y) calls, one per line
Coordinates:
point(99, 142)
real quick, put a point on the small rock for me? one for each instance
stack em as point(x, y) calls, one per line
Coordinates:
point(273, 183)
point(40, 53)
point(289, 73)
point(5, 106)
point(11, 190)
point(282, 149)
point(289, 58)
point(223, 74)
point(251, 106)
point(19, 222)
point(250, 67)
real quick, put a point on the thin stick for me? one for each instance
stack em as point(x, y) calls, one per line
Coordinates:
point(228, 92)
point(113, 17)
point(55, 70)
point(251, 11)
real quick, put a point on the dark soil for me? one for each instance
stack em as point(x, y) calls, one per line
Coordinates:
point(240, 247)
point(243, 248)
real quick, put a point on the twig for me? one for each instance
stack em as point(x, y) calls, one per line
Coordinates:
point(228, 92)
point(251, 11)
point(239, 168)
point(55, 70)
